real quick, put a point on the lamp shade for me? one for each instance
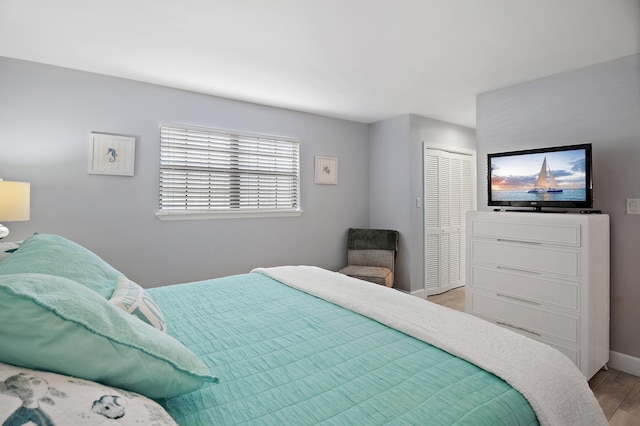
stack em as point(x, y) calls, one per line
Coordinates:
point(14, 201)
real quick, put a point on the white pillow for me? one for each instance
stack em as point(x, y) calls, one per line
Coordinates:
point(132, 298)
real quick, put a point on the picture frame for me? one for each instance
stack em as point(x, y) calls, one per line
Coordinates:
point(111, 154)
point(326, 170)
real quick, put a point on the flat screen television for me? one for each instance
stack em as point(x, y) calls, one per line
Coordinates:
point(558, 176)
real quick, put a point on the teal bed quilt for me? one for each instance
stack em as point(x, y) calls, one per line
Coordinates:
point(287, 345)
point(286, 357)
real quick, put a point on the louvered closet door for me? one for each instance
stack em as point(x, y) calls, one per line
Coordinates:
point(432, 220)
point(448, 194)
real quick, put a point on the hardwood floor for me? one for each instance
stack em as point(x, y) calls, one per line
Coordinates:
point(453, 299)
point(619, 396)
point(618, 393)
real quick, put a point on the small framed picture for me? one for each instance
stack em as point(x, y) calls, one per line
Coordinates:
point(326, 170)
point(111, 154)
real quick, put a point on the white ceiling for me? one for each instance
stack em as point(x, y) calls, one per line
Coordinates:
point(362, 60)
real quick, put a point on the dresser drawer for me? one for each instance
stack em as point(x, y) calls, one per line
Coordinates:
point(527, 257)
point(559, 234)
point(573, 353)
point(530, 320)
point(530, 287)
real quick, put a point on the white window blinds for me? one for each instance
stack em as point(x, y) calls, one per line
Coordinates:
point(209, 171)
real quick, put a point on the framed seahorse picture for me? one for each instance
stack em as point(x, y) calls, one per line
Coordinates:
point(111, 154)
point(326, 170)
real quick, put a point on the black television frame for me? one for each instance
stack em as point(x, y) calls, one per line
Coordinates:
point(537, 206)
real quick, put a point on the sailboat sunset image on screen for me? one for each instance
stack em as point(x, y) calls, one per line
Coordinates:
point(545, 183)
point(545, 177)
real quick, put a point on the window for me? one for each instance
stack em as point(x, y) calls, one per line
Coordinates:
point(207, 173)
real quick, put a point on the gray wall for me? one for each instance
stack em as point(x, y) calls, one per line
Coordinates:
point(389, 188)
point(46, 115)
point(396, 182)
point(598, 104)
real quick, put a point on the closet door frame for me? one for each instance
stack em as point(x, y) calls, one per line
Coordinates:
point(433, 235)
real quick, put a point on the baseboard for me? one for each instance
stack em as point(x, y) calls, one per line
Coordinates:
point(625, 363)
point(419, 293)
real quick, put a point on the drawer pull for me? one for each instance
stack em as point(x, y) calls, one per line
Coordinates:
point(524, 271)
point(515, 327)
point(518, 299)
point(504, 240)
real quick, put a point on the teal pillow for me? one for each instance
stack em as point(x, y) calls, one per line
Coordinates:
point(52, 323)
point(56, 255)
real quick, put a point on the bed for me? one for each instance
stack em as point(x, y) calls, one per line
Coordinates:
point(80, 343)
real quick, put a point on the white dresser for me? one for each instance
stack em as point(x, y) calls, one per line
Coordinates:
point(544, 275)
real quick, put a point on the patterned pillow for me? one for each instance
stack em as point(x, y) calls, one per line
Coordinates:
point(132, 298)
point(54, 399)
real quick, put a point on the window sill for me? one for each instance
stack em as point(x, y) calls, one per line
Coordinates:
point(208, 215)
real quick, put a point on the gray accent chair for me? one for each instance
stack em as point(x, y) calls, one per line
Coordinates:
point(371, 255)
